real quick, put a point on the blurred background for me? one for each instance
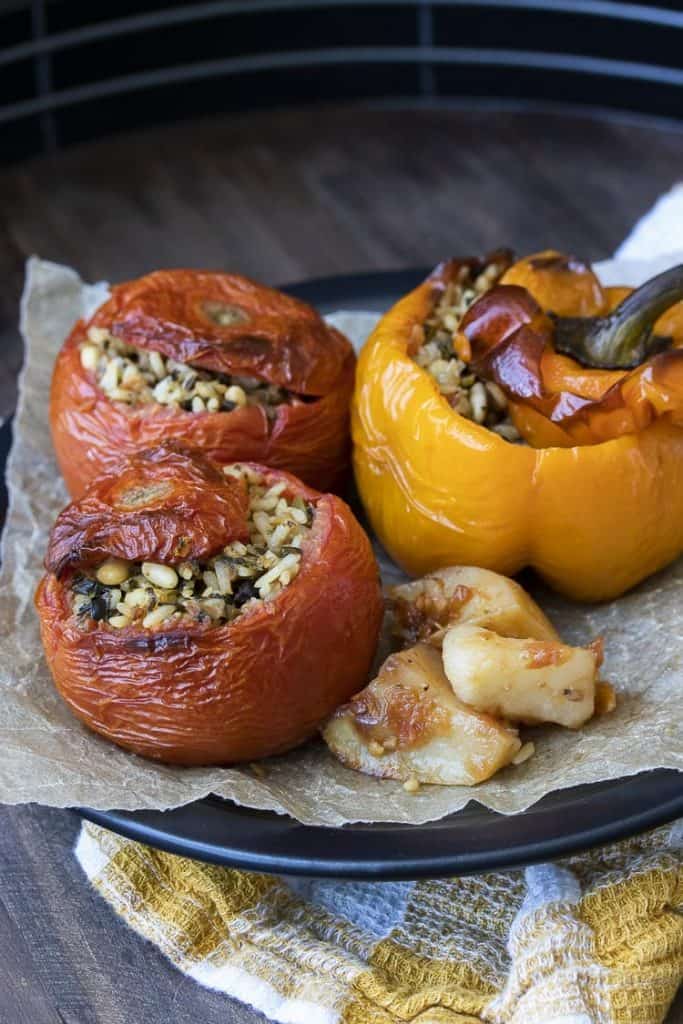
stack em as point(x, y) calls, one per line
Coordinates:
point(70, 71)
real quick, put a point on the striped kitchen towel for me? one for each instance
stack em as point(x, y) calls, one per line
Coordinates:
point(595, 939)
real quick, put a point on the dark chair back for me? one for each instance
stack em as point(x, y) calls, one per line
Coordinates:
point(73, 70)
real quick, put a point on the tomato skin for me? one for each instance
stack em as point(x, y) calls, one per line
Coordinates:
point(163, 504)
point(275, 336)
point(203, 694)
point(288, 344)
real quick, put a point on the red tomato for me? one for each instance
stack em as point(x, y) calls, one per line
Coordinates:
point(197, 693)
point(275, 338)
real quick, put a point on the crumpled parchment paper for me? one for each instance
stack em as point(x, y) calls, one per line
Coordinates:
point(48, 757)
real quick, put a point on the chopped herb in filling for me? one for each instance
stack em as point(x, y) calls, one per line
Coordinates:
point(137, 376)
point(474, 398)
point(216, 590)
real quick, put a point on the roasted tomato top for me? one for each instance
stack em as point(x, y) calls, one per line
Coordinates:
point(228, 324)
point(165, 504)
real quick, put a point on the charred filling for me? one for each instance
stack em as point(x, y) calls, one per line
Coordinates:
point(442, 354)
point(424, 616)
point(217, 590)
point(137, 376)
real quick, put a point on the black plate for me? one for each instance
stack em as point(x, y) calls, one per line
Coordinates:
point(475, 839)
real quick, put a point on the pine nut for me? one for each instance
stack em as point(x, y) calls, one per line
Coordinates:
point(497, 395)
point(214, 606)
point(131, 376)
point(236, 394)
point(112, 572)
point(158, 615)
point(478, 401)
point(121, 395)
point(157, 364)
point(89, 357)
point(507, 430)
point(223, 577)
point(110, 377)
point(98, 335)
point(463, 405)
point(162, 391)
point(138, 598)
point(162, 576)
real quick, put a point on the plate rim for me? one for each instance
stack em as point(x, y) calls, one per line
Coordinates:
point(151, 828)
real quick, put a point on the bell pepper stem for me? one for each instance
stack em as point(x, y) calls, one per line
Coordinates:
point(624, 338)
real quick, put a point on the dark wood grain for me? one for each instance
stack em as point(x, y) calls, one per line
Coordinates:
point(281, 197)
point(64, 957)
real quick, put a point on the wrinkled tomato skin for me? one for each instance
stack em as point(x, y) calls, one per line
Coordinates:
point(201, 695)
point(274, 337)
point(164, 504)
point(90, 433)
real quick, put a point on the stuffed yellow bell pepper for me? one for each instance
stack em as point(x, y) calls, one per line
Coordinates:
point(523, 415)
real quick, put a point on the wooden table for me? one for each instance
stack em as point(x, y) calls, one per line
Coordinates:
point(280, 197)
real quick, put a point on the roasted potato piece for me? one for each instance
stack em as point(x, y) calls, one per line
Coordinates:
point(425, 607)
point(523, 680)
point(408, 725)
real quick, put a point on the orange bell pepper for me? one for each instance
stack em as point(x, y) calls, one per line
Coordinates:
point(592, 518)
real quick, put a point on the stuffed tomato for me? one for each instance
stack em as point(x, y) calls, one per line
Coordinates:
point(235, 369)
point(200, 614)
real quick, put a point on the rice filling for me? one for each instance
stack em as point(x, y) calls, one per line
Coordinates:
point(474, 398)
point(216, 590)
point(137, 376)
